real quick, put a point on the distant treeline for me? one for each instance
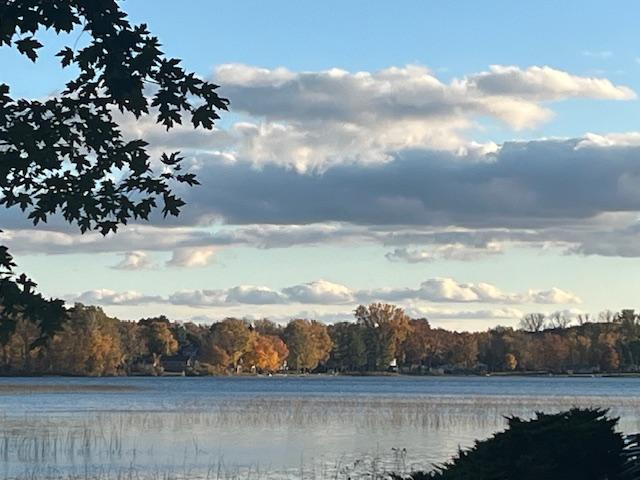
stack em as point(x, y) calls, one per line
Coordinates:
point(381, 338)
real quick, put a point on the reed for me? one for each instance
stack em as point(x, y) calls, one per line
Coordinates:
point(179, 441)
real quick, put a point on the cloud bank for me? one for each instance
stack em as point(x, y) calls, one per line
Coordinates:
point(323, 292)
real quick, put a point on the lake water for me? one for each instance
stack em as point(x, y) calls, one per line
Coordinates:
point(271, 427)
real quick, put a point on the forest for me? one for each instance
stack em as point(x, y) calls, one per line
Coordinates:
point(382, 338)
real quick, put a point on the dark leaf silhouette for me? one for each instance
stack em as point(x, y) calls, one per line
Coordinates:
point(58, 155)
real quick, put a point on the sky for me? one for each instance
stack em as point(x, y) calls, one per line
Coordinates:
point(468, 161)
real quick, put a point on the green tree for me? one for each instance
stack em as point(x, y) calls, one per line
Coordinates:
point(386, 326)
point(349, 350)
point(308, 342)
point(66, 155)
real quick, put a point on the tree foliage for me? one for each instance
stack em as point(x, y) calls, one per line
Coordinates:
point(386, 327)
point(308, 342)
point(233, 337)
point(66, 155)
point(91, 343)
point(580, 444)
point(267, 353)
point(88, 344)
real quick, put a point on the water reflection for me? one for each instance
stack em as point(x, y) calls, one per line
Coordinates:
point(203, 431)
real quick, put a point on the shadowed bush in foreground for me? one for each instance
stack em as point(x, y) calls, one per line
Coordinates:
point(577, 444)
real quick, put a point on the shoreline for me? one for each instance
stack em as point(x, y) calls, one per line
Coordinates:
point(345, 374)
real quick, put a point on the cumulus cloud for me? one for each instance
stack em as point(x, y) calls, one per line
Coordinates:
point(111, 297)
point(349, 157)
point(191, 257)
point(323, 292)
point(311, 120)
point(198, 298)
point(319, 292)
point(544, 84)
point(553, 296)
point(252, 295)
point(137, 260)
point(450, 290)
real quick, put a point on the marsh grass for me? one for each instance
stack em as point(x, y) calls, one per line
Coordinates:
point(25, 389)
point(180, 441)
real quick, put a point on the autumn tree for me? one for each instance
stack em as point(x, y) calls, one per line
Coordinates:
point(233, 337)
point(66, 155)
point(267, 353)
point(418, 347)
point(495, 344)
point(610, 360)
point(309, 344)
point(510, 361)
point(465, 350)
point(134, 343)
point(88, 344)
point(18, 352)
point(159, 338)
point(386, 328)
point(555, 349)
point(214, 358)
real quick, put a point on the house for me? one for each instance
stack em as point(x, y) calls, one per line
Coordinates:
point(179, 363)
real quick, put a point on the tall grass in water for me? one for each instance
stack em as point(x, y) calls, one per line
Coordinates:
point(363, 468)
point(133, 444)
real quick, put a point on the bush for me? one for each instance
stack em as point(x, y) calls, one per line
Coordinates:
point(577, 444)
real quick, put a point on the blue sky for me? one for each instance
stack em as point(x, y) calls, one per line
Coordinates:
point(523, 227)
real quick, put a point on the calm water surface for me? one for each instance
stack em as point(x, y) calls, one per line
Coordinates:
point(271, 427)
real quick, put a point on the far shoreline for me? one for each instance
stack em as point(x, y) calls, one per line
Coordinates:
point(343, 374)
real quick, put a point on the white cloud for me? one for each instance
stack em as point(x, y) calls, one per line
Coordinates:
point(198, 298)
point(312, 120)
point(111, 297)
point(323, 292)
point(449, 290)
point(319, 292)
point(545, 84)
point(347, 157)
point(553, 296)
point(137, 260)
point(625, 139)
point(249, 294)
point(191, 257)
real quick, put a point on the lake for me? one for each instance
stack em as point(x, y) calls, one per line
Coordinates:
point(271, 427)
